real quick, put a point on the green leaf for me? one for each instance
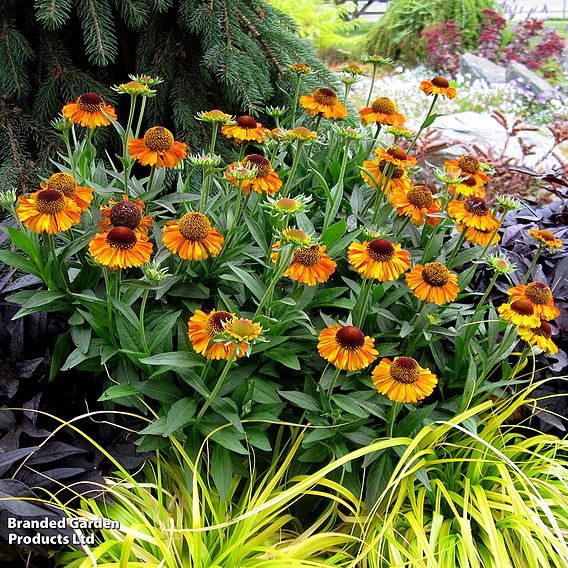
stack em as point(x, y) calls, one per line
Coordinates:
point(414, 419)
point(230, 439)
point(349, 405)
point(162, 330)
point(159, 389)
point(117, 391)
point(249, 281)
point(287, 358)
point(182, 359)
point(60, 352)
point(301, 399)
point(23, 242)
point(222, 470)
point(39, 301)
point(155, 428)
point(333, 233)
point(18, 261)
point(180, 413)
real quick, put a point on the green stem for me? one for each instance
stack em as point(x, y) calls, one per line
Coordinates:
point(213, 139)
point(333, 381)
point(381, 193)
point(118, 282)
point(280, 266)
point(205, 370)
point(493, 236)
point(140, 117)
point(395, 408)
point(402, 227)
point(219, 384)
point(423, 125)
point(456, 248)
point(360, 310)
point(374, 140)
point(296, 97)
point(125, 141)
point(347, 89)
point(151, 179)
point(52, 252)
point(141, 321)
point(533, 264)
point(334, 205)
point(108, 287)
point(205, 186)
point(292, 171)
point(430, 240)
point(372, 84)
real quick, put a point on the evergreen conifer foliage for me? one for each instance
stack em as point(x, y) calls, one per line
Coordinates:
point(229, 54)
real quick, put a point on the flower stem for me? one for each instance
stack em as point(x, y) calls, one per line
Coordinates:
point(141, 321)
point(333, 381)
point(360, 310)
point(219, 383)
point(395, 408)
point(296, 97)
point(456, 248)
point(292, 171)
point(140, 117)
point(281, 265)
point(372, 84)
point(533, 264)
point(381, 193)
point(213, 139)
point(423, 125)
point(125, 141)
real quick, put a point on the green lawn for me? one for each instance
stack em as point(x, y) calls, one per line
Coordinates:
point(559, 26)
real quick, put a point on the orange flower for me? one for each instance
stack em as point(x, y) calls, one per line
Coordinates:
point(467, 166)
point(346, 347)
point(245, 129)
point(473, 212)
point(519, 312)
point(395, 155)
point(379, 259)
point(546, 237)
point(540, 336)
point(66, 184)
point(479, 236)
point(539, 295)
point(266, 179)
point(403, 380)
point(382, 111)
point(203, 328)
point(433, 283)
point(438, 86)
point(126, 213)
point(120, 248)
point(469, 187)
point(398, 178)
point(48, 211)
point(192, 237)
point(158, 148)
point(89, 110)
point(417, 203)
point(325, 102)
point(310, 264)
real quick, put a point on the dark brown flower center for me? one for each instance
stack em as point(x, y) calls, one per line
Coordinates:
point(441, 82)
point(158, 139)
point(435, 274)
point(547, 235)
point(325, 97)
point(215, 322)
point(397, 153)
point(476, 206)
point(125, 214)
point(381, 250)
point(383, 105)
point(397, 173)
point(420, 196)
point(538, 293)
point(121, 238)
point(262, 163)
point(90, 102)
point(50, 201)
point(246, 121)
point(522, 307)
point(65, 183)
point(194, 226)
point(350, 337)
point(469, 164)
point(405, 370)
point(470, 181)
point(545, 330)
point(308, 256)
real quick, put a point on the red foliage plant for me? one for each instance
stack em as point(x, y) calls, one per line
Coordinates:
point(491, 28)
point(443, 46)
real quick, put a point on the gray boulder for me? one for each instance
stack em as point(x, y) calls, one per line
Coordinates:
point(523, 76)
point(481, 68)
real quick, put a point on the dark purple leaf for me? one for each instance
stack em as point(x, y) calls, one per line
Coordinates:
point(7, 459)
point(54, 451)
point(22, 282)
point(27, 367)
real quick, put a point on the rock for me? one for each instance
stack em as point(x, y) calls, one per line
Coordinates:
point(484, 131)
point(481, 68)
point(526, 78)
